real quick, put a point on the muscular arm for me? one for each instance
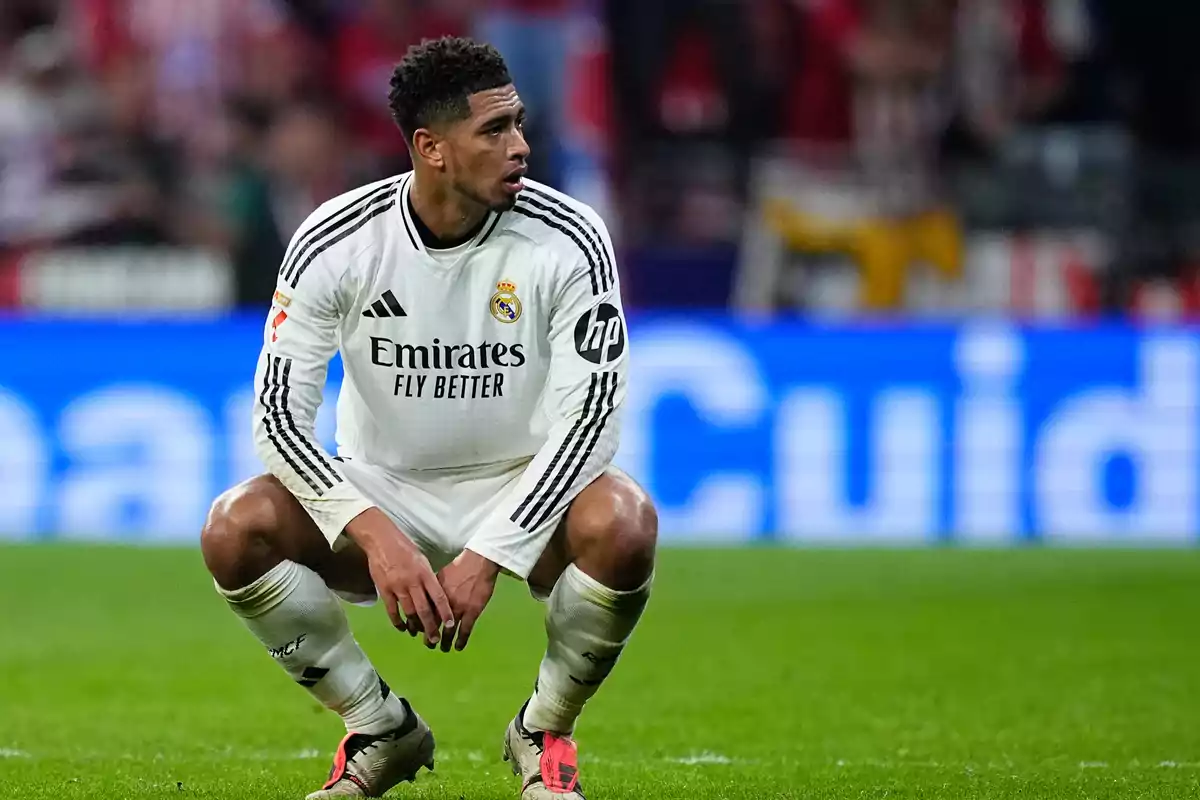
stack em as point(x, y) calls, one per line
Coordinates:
point(586, 388)
point(299, 339)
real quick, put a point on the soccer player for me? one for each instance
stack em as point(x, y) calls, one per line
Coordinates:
point(479, 320)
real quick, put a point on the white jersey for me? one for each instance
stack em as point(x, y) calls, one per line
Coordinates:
point(511, 348)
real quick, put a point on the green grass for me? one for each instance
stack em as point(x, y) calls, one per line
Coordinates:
point(759, 673)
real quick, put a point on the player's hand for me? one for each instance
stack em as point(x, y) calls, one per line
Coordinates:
point(402, 577)
point(469, 581)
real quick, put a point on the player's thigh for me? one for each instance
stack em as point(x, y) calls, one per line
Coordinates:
point(291, 534)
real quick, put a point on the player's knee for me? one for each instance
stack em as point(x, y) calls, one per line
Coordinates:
point(638, 540)
point(624, 527)
point(233, 539)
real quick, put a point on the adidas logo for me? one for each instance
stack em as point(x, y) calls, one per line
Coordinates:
point(386, 306)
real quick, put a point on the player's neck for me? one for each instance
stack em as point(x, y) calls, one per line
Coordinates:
point(448, 216)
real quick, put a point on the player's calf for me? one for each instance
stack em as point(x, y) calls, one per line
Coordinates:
point(264, 553)
point(608, 543)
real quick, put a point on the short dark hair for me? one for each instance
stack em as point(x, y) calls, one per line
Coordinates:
point(434, 80)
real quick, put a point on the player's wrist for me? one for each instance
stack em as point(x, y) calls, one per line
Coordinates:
point(372, 527)
point(491, 568)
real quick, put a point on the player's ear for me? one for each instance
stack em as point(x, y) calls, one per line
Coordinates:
point(425, 146)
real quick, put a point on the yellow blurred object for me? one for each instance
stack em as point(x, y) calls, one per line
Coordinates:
point(885, 249)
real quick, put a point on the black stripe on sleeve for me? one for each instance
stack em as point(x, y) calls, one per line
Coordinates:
point(277, 416)
point(304, 440)
point(262, 400)
point(327, 226)
point(608, 411)
point(540, 508)
point(566, 442)
point(575, 224)
point(348, 231)
point(585, 225)
point(404, 215)
point(571, 235)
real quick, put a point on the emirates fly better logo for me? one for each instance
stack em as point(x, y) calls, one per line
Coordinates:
point(600, 334)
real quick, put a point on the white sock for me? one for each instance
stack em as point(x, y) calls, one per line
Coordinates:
point(303, 627)
point(587, 624)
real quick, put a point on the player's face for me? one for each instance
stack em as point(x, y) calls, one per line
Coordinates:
point(488, 153)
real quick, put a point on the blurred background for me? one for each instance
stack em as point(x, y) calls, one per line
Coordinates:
point(902, 270)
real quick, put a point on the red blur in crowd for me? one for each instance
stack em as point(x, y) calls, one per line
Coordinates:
point(195, 47)
point(365, 52)
point(838, 43)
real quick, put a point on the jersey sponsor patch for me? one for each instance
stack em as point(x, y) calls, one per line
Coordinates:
point(412, 362)
point(600, 334)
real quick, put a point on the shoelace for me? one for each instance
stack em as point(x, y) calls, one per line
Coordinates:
point(370, 743)
point(537, 738)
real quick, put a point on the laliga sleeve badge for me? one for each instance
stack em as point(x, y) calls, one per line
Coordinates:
point(505, 305)
point(276, 321)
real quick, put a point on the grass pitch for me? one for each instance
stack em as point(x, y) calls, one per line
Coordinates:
point(757, 673)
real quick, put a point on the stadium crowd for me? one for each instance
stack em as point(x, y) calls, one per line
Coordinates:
point(219, 124)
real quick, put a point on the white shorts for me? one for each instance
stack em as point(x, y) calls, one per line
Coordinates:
point(440, 510)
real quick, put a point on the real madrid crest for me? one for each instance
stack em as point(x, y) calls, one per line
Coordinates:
point(505, 305)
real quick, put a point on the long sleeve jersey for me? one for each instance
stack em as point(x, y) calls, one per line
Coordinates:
point(511, 348)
